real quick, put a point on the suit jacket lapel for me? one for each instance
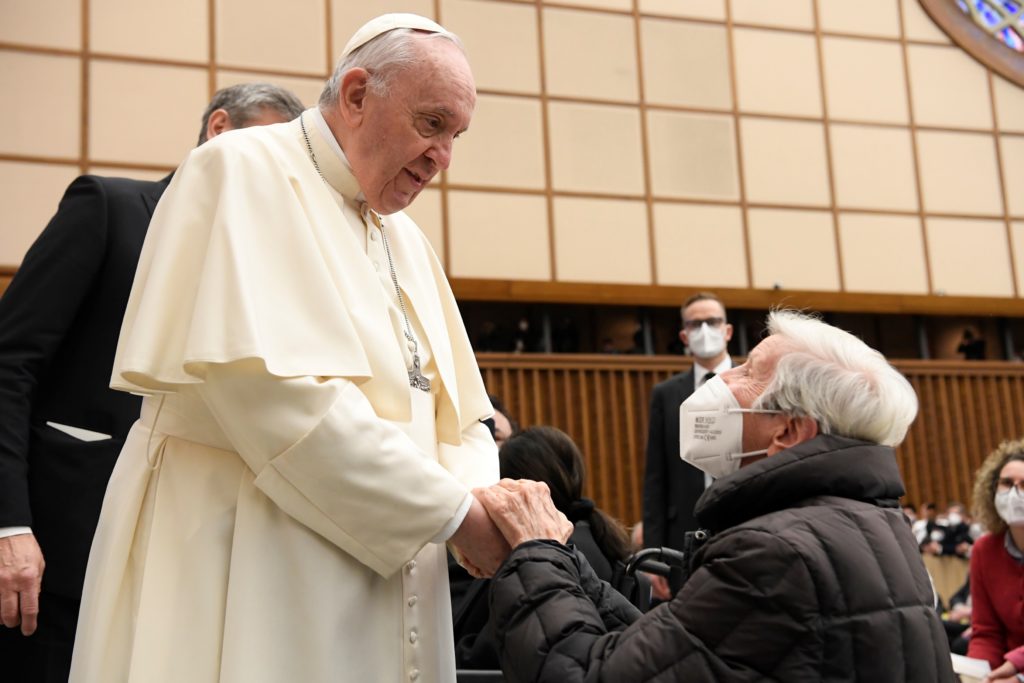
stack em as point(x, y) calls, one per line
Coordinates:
point(151, 196)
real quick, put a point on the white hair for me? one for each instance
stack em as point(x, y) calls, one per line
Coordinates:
point(835, 378)
point(382, 57)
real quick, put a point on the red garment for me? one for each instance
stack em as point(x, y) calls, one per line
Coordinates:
point(997, 603)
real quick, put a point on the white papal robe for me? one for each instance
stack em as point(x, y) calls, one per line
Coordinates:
point(271, 515)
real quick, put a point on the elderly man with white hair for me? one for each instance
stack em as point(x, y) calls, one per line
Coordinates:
point(310, 432)
point(810, 573)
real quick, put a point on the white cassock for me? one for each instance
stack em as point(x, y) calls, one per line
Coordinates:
point(271, 515)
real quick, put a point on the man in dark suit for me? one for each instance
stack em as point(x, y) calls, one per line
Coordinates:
point(672, 487)
point(61, 427)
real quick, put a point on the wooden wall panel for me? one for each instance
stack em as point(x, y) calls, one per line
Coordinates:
point(967, 408)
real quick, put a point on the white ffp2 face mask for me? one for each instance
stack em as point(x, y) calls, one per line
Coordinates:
point(711, 429)
point(707, 342)
point(1010, 506)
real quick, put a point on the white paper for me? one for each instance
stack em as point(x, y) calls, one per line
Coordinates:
point(78, 432)
point(978, 668)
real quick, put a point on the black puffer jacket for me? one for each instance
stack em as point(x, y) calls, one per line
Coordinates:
point(811, 575)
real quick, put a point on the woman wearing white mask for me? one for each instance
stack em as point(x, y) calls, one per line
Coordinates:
point(997, 564)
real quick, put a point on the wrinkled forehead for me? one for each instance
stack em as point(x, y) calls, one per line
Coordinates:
point(765, 356)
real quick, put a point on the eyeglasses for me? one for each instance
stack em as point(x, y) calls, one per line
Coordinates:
point(1007, 483)
point(691, 325)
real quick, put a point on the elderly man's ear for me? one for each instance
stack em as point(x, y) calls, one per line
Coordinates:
point(352, 98)
point(791, 430)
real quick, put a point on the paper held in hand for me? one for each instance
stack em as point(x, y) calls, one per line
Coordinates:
point(970, 670)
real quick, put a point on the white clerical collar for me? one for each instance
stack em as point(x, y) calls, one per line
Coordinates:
point(699, 370)
point(332, 142)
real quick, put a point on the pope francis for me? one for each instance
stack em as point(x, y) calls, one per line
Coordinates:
point(310, 430)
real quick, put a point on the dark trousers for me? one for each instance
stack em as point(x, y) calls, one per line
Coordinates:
point(45, 656)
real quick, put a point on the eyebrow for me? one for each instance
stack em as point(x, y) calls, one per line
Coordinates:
point(449, 114)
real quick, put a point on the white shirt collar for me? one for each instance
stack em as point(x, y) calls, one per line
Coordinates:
point(699, 370)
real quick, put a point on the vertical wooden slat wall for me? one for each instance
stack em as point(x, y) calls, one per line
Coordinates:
point(967, 408)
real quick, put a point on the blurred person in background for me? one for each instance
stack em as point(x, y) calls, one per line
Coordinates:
point(997, 564)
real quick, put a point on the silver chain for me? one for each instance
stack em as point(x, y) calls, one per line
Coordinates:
point(413, 346)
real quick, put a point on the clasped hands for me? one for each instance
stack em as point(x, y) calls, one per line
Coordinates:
point(502, 517)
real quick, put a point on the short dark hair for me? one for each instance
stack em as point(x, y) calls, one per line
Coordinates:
point(246, 101)
point(700, 296)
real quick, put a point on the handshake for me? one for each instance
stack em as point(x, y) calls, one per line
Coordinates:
point(502, 517)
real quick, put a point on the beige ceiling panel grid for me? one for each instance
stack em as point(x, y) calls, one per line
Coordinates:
point(590, 55)
point(784, 162)
point(918, 26)
point(1012, 156)
point(601, 240)
point(798, 14)
point(873, 168)
point(155, 29)
point(969, 257)
point(882, 253)
point(43, 119)
point(499, 236)
point(122, 99)
point(793, 249)
point(42, 23)
point(693, 9)
point(777, 72)
point(1017, 244)
point(1009, 105)
point(503, 147)
point(507, 58)
point(959, 174)
point(864, 80)
point(685, 64)
point(282, 36)
point(692, 156)
point(700, 245)
point(29, 194)
point(948, 88)
point(595, 148)
point(864, 17)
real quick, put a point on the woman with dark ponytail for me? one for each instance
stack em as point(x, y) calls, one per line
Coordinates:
point(549, 455)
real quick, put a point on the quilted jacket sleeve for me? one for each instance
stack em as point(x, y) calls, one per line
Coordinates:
point(735, 620)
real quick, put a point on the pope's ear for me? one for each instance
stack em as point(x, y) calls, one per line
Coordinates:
point(792, 430)
point(352, 96)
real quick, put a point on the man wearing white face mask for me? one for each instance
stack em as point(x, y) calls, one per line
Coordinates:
point(671, 486)
point(811, 572)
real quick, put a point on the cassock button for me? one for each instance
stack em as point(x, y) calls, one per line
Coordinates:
point(413, 636)
point(414, 674)
point(413, 600)
point(376, 266)
point(373, 235)
point(411, 566)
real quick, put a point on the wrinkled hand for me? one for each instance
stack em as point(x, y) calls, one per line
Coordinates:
point(478, 544)
point(523, 511)
point(21, 575)
point(1007, 673)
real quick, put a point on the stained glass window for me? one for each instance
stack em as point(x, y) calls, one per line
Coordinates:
point(1002, 19)
point(992, 31)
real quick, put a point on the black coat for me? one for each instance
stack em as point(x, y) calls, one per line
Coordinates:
point(59, 323)
point(812, 575)
point(671, 486)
